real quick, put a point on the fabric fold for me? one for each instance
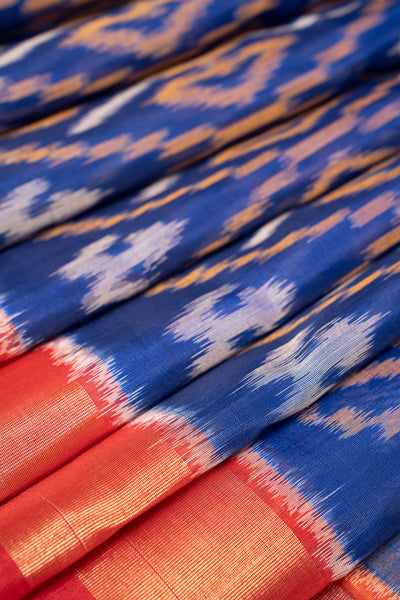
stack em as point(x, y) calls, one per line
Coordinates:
point(71, 392)
point(19, 18)
point(376, 578)
point(199, 284)
point(284, 518)
point(62, 166)
point(96, 494)
point(116, 47)
point(79, 268)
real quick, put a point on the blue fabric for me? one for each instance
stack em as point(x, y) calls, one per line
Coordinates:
point(54, 281)
point(108, 147)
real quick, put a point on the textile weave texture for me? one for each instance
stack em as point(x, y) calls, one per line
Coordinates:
point(199, 300)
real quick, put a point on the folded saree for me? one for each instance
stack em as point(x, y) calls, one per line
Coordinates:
point(57, 168)
point(199, 283)
point(98, 372)
point(268, 523)
point(196, 428)
point(115, 47)
point(54, 281)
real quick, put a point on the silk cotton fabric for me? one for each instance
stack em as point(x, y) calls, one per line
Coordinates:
point(199, 316)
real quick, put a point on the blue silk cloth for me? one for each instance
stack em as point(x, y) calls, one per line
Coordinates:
point(199, 285)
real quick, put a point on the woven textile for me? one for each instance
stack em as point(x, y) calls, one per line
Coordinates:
point(119, 251)
point(85, 155)
point(270, 518)
point(377, 577)
point(199, 285)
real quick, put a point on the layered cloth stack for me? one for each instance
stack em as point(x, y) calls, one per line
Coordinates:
point(199, 300)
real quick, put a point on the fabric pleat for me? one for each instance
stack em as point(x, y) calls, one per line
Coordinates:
point(199, 300)
point(52, 171)
point(116, 252)
point(269, 522)
point(116, 47)
point(21, 18)
point(378, 576)
point(201, 425)
point(207, 313)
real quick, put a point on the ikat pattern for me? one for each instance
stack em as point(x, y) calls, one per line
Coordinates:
point(281, 479)
point(122, 249)
point(131, 138)
point(117, 47)
point(199, 316)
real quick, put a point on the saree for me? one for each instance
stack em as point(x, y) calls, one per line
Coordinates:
point(199, 316)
